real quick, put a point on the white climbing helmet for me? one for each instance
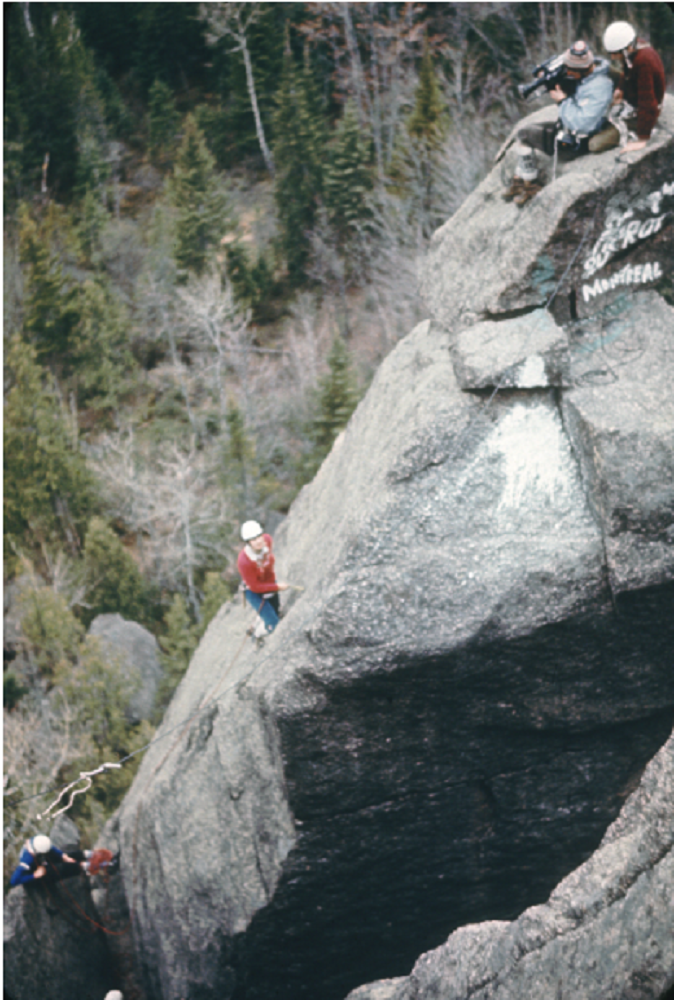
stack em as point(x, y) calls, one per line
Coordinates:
point(41, 844)
point(618, 36)
point(114, 995)
point(250, 529)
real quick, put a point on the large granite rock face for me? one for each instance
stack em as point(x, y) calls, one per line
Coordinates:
point(453, 711)
point(606, 933)
point(455, 708)
point(137, 652)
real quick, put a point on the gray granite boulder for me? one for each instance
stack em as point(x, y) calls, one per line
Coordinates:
point(606, 932)
point(137, 652)
point(525, 352)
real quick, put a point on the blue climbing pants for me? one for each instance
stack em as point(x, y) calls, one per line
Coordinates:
point(266, 607)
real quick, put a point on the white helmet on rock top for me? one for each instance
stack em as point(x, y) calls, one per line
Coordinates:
point(41, 844)
point(618, 36)
point(250, 529)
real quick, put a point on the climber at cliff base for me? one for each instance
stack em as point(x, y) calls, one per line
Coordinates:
point(256, 566)
point(582, 126)
point(641, 84)
point(40, 859)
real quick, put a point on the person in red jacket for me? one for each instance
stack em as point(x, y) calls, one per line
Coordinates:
point(256, 566)
point(642, 82)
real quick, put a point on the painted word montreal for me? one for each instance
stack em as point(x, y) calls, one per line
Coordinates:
point(624, 230)
point(626, 276)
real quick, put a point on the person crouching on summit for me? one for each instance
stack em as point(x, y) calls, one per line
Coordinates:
point(582, 125)
point(256, 566)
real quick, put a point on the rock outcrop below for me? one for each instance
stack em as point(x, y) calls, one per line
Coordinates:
point(137, 652)
point(53, 944)
point(606, 933)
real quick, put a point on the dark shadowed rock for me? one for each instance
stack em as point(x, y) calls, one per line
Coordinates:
point(137, 651)
point(606, 933)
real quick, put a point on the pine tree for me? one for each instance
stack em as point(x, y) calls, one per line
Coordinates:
point(100, 365)
point(299, 150)
point(427, 127)
point(178, 645)
point(49, 492)
point(200, 202)
point(428, 122)
point(337, 399)
point(115, 582)
point(239, 467)
point(348, 178)
point(164, 120)
point(50, 302)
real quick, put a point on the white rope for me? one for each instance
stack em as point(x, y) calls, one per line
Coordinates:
point(84, 776)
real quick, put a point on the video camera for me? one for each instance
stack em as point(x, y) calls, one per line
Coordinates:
point(549, 74)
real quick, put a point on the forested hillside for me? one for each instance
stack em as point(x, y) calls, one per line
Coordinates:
point(213, 218)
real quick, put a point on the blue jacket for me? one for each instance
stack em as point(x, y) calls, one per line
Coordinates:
point(28, 862)
point(586, 110)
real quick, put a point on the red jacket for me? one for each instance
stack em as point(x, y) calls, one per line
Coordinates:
point(643, 86)
point(258, 576)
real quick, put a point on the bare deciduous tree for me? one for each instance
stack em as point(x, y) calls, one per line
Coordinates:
point(232, 20)
point(171, 501)
point(217, 328)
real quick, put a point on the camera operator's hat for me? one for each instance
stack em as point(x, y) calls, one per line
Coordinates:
point(579, 56)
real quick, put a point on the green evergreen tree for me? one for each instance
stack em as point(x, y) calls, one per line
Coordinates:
point(100, 365)
point(51, 300)
point(79, 330)
point(164, 120)
point(216, 592)
point(239, 467)
point(115, 582)
point(428, 121)
point(348, 178)
point(51, 632)
point(48, 70)
point(299, 151)
point(49, 492)
point(199, 200)
point(177, 645)
point(337, 398)
point(427, 128)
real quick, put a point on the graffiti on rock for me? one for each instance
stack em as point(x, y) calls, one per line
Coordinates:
point(628, 275)
point(625, 229)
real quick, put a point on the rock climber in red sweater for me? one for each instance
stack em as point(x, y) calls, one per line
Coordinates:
point(642, 82)
point(256, 566)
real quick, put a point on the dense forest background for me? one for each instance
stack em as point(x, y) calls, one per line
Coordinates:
point(213, 218)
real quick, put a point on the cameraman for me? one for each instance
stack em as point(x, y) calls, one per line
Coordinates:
point(582, 125)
